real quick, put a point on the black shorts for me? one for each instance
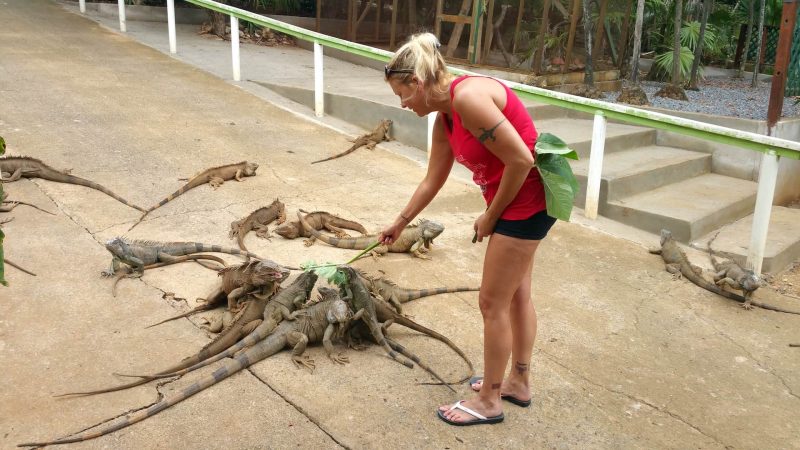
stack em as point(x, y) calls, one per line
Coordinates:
point(533, 228)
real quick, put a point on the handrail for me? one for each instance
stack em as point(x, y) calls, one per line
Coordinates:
point(624, 113)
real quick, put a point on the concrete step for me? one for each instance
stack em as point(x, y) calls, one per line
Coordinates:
point(641, 169)
point(783, 240)
point(578, 134)
point(689, 208)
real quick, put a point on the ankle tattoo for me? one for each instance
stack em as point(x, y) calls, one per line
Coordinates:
point(496, 386)
point(521, 367)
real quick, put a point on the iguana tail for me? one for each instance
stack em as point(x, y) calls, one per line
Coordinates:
point(406, 295)
point(400, 320)
point(359, 243)
point(339, 155)
point(241, 361)
point(403, 351)
point(71, 179)
point(696, 279)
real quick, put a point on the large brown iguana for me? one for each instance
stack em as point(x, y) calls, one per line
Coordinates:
point(318, 323)
point(214, 176)
point(380, 133)
point(732, 274)
point(125, 271)
point(319, 220)
point(258, 220)
point(678, 264)
point(414, 239)
point(237, 281)
point(140, 253)
point(355, 292)
point(12, 168)
point(396, 295)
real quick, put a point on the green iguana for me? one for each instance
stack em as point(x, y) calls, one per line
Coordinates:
point(214, 176)
point(319, 220)
point(396, 295)
point(420, 236)
point(732, 274)
point(379, 134)
point(318, 323)
point(355, 292)
point(388, 316)
point(257, 220)
point(138, 253)
point(15, 167)
point(678, 264)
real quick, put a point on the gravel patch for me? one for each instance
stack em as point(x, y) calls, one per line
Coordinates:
point(721, 97)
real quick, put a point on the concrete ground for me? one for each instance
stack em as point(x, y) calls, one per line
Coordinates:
point(626, 357)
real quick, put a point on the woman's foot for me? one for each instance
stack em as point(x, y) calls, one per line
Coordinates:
point(491, 411)
point(513, 390)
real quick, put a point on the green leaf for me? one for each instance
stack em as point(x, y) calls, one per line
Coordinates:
point(560, 185)
point(2, 145)
point(548, 143)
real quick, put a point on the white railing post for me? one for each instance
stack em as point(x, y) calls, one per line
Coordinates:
point(767, 176)
point(431, 122)
point(122, 27)
point(319, 89)
point(171, 26)
point(82, 6)
point(237, 73)
point(595, 165)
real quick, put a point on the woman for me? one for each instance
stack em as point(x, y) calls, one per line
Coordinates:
point(483, 125)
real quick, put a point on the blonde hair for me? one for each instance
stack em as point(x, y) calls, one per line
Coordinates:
point(420, 57)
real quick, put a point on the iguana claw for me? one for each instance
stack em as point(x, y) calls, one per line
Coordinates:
point(339, 358)
point(304, 361)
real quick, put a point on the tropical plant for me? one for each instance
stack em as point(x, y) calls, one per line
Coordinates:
point(662, 64)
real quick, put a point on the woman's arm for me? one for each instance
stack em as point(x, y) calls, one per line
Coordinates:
point(477, 101)
point(439, 165)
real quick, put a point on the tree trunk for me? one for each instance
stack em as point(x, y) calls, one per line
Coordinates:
point(637, 42)
point(219, 23)
point(698, 50)
point(747, 40)
point(588, 77)
point(676, 44)
point(760, 32)
point(452, 44)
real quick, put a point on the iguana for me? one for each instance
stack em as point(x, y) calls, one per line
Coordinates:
point(734, 275)
point(139, 253)
point(214, 176)
point(237, 281)
point(15, 167)
point(379, 134)
point(14, 203)
point(125, 272)
point(318, 220)
point(678, 264)
point(420, 235)
point(396, 295)
point(317, 323)
point(258, 220)
point(387, 316)
point(355, 292)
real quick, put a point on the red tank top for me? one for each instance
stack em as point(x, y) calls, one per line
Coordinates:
point(487, 169)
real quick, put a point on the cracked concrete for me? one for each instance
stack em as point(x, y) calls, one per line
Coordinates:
point(626, 357)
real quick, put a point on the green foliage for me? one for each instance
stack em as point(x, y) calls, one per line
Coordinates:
point(662, 65)
point(329, 270)
point(560, 185)
point(690, 36)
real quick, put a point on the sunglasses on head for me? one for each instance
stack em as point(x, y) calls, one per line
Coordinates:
point(388, 72)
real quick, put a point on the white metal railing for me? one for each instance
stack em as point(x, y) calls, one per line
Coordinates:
point(771, 147)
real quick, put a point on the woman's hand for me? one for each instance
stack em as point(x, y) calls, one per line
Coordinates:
point(484, 226)
point(392, 232)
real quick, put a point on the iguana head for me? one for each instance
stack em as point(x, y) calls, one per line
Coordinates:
point(250, 169)
point(429, 230)
point(118, 247)
point(750, 282)
point(386, 123)
point(307, 280)
point(665, 235)
point(338, 313)
point(266, 271)
point(289, 230)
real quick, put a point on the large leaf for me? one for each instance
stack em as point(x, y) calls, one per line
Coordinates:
point(560, 185)
point(548, 143)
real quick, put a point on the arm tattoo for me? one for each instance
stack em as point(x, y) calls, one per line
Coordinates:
point(489, 133)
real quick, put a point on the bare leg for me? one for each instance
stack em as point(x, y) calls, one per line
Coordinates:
point(506, 266)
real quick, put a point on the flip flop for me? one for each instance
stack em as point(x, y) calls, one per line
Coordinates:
point(480, 419)
point(509, 398)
